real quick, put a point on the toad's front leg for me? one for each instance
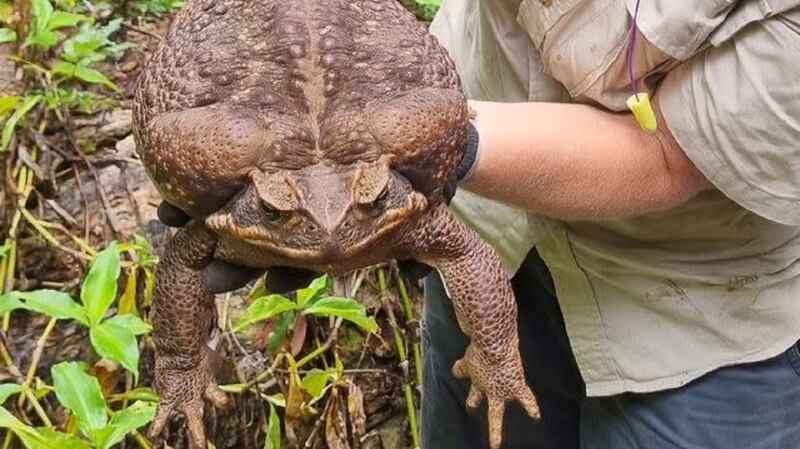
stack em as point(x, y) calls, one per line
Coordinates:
point(184, 316)
point(486, 311)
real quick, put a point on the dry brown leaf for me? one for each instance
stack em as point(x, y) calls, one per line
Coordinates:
point(355, 409)
point(336, 423)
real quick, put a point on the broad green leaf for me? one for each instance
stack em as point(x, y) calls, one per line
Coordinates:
point(131, 322)
point(137, 415)
point(100, 286)
point(44, 39)
point(265, 308)
point(62, 19)
point(53, 303)
point(10, 303)
point(8, 390)
point(56, 439)
point(314, 291)
point(81, 394)
point(316, 383)
point(277, 336)
point(117, 343)
point(42, 12)
point(23, 431)
point(273, 430)
point(83, 73)
point(344, 308)
point(11, 123)
point(7, 35)
point(37, 438)
point(7, 104)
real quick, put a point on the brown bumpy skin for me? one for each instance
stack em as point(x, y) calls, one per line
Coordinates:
point(184, 316)
point(315, 135)
point(486, 311)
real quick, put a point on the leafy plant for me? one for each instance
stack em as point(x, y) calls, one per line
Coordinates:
point(81, 394)
point(113, 338)
point(310, 301)
point(46, 21)
point(71, 44)
point(155, 7)
point(429, 8)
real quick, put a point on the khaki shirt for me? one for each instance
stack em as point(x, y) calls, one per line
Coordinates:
point(655, 301)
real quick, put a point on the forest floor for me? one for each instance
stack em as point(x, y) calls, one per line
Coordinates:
point(335, 365)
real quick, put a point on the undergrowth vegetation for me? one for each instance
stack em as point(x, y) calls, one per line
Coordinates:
point(296, 362)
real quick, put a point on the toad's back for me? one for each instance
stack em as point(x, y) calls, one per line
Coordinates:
point(283, 84)
point(305, 63)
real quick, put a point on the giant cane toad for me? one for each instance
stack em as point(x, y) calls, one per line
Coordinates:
point(319, 135)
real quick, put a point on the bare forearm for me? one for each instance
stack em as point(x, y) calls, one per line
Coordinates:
point(578, 162)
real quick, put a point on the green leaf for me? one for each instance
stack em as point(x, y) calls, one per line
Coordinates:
point(81, 394)
point(137, 415)
point(100, 286)
point(263, 309)
point(118, 343)
point(44, 39)
point(344, 308)
point(316, 383)
point(62, 19)
point(10, 303)
point(313, 292)
point(24, 432)
point(11, 123)
point(132, 323)
point(273, 430)
point(53, 303)
point(42, 12)
point(39, 438)
point(56, 439)
point(83, 73)
point(7, 35)
point(277, 336)
point(8, 390)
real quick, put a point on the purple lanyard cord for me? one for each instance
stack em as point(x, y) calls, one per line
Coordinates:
point(631, 47)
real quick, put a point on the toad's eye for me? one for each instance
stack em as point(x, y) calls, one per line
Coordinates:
point(381, 199)
point(271, 214)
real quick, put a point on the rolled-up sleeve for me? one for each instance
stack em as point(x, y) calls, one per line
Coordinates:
point(735, 110)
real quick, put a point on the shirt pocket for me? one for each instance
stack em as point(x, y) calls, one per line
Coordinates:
point(537, 19)
point(579, 40)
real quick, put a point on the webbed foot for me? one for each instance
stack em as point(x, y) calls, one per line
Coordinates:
point(183, 390)
point(501, 380)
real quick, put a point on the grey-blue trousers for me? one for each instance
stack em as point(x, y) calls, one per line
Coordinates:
point(753, 406)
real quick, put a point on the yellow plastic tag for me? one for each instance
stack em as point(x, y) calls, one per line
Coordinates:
point(643, 111)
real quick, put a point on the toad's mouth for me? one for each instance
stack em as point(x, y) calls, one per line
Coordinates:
point(330, 249)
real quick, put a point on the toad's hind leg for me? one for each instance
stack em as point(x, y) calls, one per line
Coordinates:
point(184, 316)
point(486, 311)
